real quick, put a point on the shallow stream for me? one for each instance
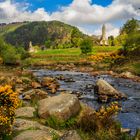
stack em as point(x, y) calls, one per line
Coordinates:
point(83, 84)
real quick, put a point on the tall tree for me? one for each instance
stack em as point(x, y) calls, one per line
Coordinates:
point(130, 26)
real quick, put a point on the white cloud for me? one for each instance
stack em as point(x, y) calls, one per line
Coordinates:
point(12, 12)
point(84, 12)
point(79, 13)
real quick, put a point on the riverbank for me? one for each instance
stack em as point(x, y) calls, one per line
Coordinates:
point(73, 79)
point(100, 59)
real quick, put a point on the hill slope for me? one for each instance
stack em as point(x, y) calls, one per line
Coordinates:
point(4, 29)
point(53, 33)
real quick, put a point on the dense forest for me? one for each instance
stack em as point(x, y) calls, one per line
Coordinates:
point(53, 34)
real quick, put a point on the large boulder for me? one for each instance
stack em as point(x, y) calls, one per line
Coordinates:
point(107, 92)
point(51, 83)
point(27, 112)
point(34, 135)
point(62, 106)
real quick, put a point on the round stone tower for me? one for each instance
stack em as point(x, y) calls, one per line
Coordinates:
point(103, 40)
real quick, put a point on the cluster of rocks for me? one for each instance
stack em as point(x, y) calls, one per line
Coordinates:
point(29, 123)
point(34, 94)
point(50, 83)
point(126, 75)
point(62, 106)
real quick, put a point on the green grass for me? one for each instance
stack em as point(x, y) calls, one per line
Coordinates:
point(136, 67)
point(77, 51)
point(71, 51)
point(56, 123)
point(103, 49)
point(128, 64)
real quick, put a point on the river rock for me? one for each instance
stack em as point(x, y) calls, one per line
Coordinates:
point(62, 106)
point(127, 75)
point(36, 85)
point(26, 80)
point(125, 130)
point(51, 83)
point(34, 135)
point(106, 91)
point(103, 98)
point(26, 97)
point(19, 89)
point(69, 80)
point(35, 93)
point(71, 135)
point(23, 125)
point(19, 81)
point(27, 112)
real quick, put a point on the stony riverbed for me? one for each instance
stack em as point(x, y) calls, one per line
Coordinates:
point(82, 84)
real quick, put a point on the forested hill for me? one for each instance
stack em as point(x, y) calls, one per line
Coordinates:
point(53, 34)
point(6, 28)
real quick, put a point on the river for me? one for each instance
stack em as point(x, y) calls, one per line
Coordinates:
point(83, 85)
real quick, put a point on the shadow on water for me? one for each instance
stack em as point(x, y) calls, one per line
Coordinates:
point(83, 84)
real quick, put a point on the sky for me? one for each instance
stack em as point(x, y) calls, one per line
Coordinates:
point(87, 15)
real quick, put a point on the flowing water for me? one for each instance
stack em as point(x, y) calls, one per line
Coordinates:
point(83, 84)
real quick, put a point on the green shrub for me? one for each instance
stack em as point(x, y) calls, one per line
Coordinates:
point(22, 52)
point(48, 43)
point(86, 46)
point(11, 54)
point(132, 44)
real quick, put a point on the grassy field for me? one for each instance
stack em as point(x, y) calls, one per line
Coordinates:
point(105, 49)
point(72, 51)
point(58, 55)
point(77, 51)
point(67, 55)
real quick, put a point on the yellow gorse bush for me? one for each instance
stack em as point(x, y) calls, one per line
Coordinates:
point(103, 56)
point(9, 101)
point(95, 120)
point(106, 112)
